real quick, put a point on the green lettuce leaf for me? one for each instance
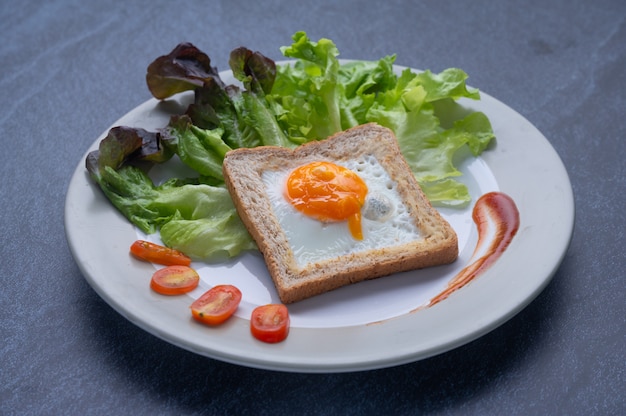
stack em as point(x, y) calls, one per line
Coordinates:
point(194, 217)
point(210, 239)
point(201, 149)
point(203, 222)
point(318, 96)
point(312, 82)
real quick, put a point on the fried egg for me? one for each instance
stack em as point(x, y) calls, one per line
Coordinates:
point(327, 211)
point(328, 192)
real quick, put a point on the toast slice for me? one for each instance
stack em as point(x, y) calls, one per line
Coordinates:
point(253, 177)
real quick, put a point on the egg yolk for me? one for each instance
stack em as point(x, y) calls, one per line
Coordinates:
point(328, 192)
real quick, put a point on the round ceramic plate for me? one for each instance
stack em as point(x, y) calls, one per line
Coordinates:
point(373, 324)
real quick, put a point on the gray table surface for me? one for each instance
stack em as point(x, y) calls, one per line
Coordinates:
point(69, 69)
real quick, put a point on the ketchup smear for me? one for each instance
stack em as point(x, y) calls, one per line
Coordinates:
point(497, 221)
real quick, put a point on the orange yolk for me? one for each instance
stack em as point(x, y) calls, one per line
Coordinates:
point(328, 192)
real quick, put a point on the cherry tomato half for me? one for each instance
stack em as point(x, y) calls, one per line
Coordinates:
point(216, 305)
point(174, 280)
point(270, 323)
point(148, 251)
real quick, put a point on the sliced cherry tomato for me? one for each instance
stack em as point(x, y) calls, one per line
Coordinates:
point(216, 305)
point(148, 251)
point(270, 323)
point(174, 280)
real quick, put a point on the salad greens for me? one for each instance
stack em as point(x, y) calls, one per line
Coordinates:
point(310, 98)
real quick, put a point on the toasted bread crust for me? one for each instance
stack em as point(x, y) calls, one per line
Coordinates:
point(243, 169)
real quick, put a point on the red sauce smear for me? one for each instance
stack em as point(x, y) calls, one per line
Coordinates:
point(493, 209)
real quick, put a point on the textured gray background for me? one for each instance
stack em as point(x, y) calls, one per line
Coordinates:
point(69, 69)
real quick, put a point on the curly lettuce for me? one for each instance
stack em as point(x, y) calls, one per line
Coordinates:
point(319, 96)
point(311, 98)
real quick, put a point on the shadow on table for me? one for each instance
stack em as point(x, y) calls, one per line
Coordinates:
point(183, 382)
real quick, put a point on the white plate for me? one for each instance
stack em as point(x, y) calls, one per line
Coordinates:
point(364, 326)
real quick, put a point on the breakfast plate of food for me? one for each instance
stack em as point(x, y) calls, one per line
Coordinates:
point(430, 259)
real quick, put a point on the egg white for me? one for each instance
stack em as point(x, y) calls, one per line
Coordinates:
point(385, 219)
